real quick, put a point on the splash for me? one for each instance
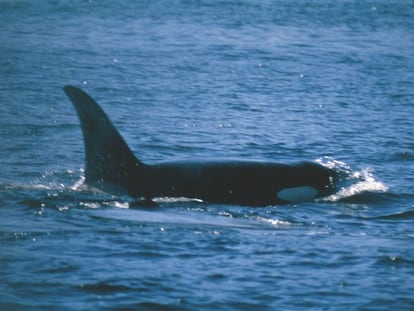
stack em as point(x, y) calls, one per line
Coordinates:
point(80, 182)
point(176, 200)
point(275, 222)
point(351, 182)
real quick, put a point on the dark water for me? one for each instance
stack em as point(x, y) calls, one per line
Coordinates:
point(328, 81)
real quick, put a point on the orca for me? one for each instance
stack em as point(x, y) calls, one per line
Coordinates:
point(110, 166)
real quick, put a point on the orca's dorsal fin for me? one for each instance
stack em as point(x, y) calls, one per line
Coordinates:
point(109, 160)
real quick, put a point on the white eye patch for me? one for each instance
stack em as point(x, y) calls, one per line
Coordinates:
point(297, 194)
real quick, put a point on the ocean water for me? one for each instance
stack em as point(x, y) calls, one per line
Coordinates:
point(283, 81)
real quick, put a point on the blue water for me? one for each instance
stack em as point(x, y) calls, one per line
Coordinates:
point(284, 81)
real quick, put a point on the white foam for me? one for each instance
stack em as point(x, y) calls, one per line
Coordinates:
point(363, 181)
point(274, 222)
point(78, 184)
point(176, 200)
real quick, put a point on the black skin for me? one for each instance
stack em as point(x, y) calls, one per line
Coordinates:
point(112, 167)
point(235, 182)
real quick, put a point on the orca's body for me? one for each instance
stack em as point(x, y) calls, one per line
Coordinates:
point(112, 167)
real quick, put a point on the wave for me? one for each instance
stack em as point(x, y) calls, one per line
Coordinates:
point(399, 215)
point(353, 184)
point(65, 189)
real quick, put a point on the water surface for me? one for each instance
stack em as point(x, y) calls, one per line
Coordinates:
point(280, 81)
